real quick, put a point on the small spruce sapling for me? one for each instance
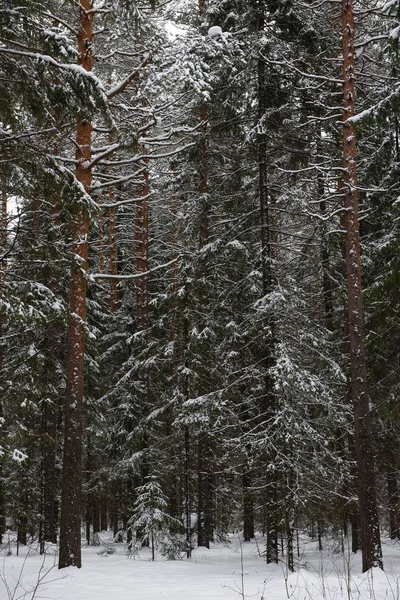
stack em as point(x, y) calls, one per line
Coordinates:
point(151, 523)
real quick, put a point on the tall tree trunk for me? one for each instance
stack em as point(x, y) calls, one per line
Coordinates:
point(370, 536)
point(269, 403)
point(51, 408)
point(113, 251)
point(187, 442)
point(3, 266)
point(71, 500)
point(142, 296)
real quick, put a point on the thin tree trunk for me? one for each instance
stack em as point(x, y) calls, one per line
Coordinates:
point(113, 254)
point(49, 472)
point(103, 514)
point(320, 525)
point(201, 495)
point(248, 506)
point(100, 227)
point(51, 408)
point(289, 542)
point(96, 514)
point(370, 536)
point(269, 403)
point(71, 499)
point(113, 251)
point(355, 529)
point(203, 185)
point(203, 167)
point(326, 281)
point(142, 254)
point(188, 488)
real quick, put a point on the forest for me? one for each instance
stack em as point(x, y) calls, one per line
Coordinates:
point(199, 274)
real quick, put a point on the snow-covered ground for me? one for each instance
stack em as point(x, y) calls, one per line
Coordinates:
point(225, 572)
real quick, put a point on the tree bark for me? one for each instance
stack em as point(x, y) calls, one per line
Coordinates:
point(49, 472)
point(248, 506)
point(71, 500)
point(113, 251)
point(369, 523)
point(3, 266)
point(267, 241)
point(113, 254)
point(327, 291)
point(51, 407)
point(142, 254)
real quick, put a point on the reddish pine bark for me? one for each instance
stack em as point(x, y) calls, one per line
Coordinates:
point(71, 500)
point(369, 523)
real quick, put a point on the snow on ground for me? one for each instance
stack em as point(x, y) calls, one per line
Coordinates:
point(215, 574)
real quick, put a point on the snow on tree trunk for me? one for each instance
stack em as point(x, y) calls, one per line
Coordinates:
point(370, 536)
point(269, 401)
point(3, 266)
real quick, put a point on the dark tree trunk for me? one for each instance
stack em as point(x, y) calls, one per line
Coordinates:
point(248, 506)
point(142, 254)
point(49, 472)
point(289, 542)
point(71, 499)
point(96, 514)
point(51, 407)
point(22, 532)
point(205, 205)
point(355, 530)
point(188, 495)
point(103, 513)
point(202, 512)
point(326, 281)
point(88, 521)
point(115, 511)
point(267, 251)
point(370, 536)
point(3, 265)
point(113, 254)
point(272, 518)
point(320, 534)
